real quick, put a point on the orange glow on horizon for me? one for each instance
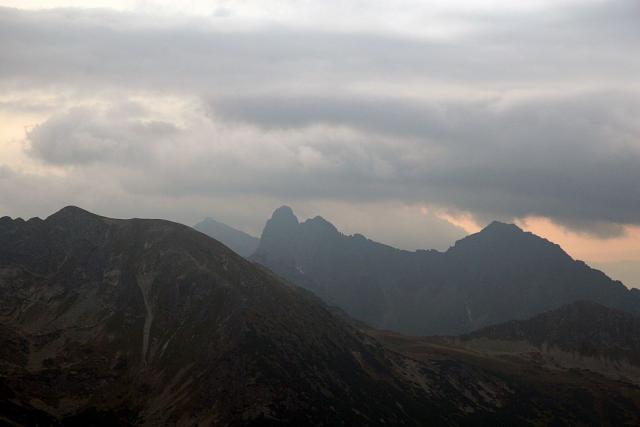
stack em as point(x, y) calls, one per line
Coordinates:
point(580, 246)
point(586, 247)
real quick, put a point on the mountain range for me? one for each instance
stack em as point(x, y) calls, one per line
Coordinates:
point(501, 273)
point(148, 322)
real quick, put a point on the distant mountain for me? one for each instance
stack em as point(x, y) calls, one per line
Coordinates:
point(148, 322)
point(581, 335)
point(499, 274)
point(238, 241)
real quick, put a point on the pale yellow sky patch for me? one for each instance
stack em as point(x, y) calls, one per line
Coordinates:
point(585, 247)
point(578, 245)
point(13, 129)
point(618, 257)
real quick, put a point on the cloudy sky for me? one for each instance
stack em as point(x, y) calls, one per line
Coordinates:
point(414, 122)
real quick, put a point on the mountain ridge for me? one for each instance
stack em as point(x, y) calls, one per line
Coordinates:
point(240, 242)
point(149, 322)
point(133, 285)
point(580, 335)
point(498, 274)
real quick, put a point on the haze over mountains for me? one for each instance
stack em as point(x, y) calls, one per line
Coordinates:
point(499, 274)
point(238, 241)
point(407, 125)
point(149, 322)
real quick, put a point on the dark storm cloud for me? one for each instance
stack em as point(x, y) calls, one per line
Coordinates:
point(574, 158)
point(536, 114)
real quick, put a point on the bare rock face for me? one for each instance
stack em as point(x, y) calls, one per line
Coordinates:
point(148, 322)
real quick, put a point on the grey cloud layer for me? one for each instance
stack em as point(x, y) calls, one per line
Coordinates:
point(92, 47)
point(503, 163)
point(81, 136)
point(537, 115)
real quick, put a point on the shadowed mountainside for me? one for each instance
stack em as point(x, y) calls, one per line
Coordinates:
point(581, 335)
point(148, 322)
point(151, 322)
point(499, 274)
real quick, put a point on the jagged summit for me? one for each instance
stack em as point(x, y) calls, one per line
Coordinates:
point(284, 214)
point(284, 217)
point(320, 224)
point(500, 273)
point(283, 230)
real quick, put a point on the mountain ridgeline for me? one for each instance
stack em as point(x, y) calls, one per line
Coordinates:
point(499, 274)
point(151, 323)
point(580, 335)
point(238, 241)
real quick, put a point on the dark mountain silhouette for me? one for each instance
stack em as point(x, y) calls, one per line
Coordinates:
point(499, 274)
point(238, 241)
point(148, 322)
point(153, 322)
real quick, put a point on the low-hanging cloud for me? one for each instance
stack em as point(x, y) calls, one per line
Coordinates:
point(517, 116)
point(504, 162)
point(84, 135)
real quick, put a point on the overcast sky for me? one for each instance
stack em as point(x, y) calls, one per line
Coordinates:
point(413, 122)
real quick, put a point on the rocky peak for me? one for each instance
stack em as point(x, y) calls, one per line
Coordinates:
point(321, 225)
point(508, 241)
point(284, 215)
point(279, 232)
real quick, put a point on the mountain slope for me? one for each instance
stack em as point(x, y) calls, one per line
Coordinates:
point(238, 241)
point(499, 274)
point(546, 390)
point(148, 322)
point(582, 335)
point(151, 322)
